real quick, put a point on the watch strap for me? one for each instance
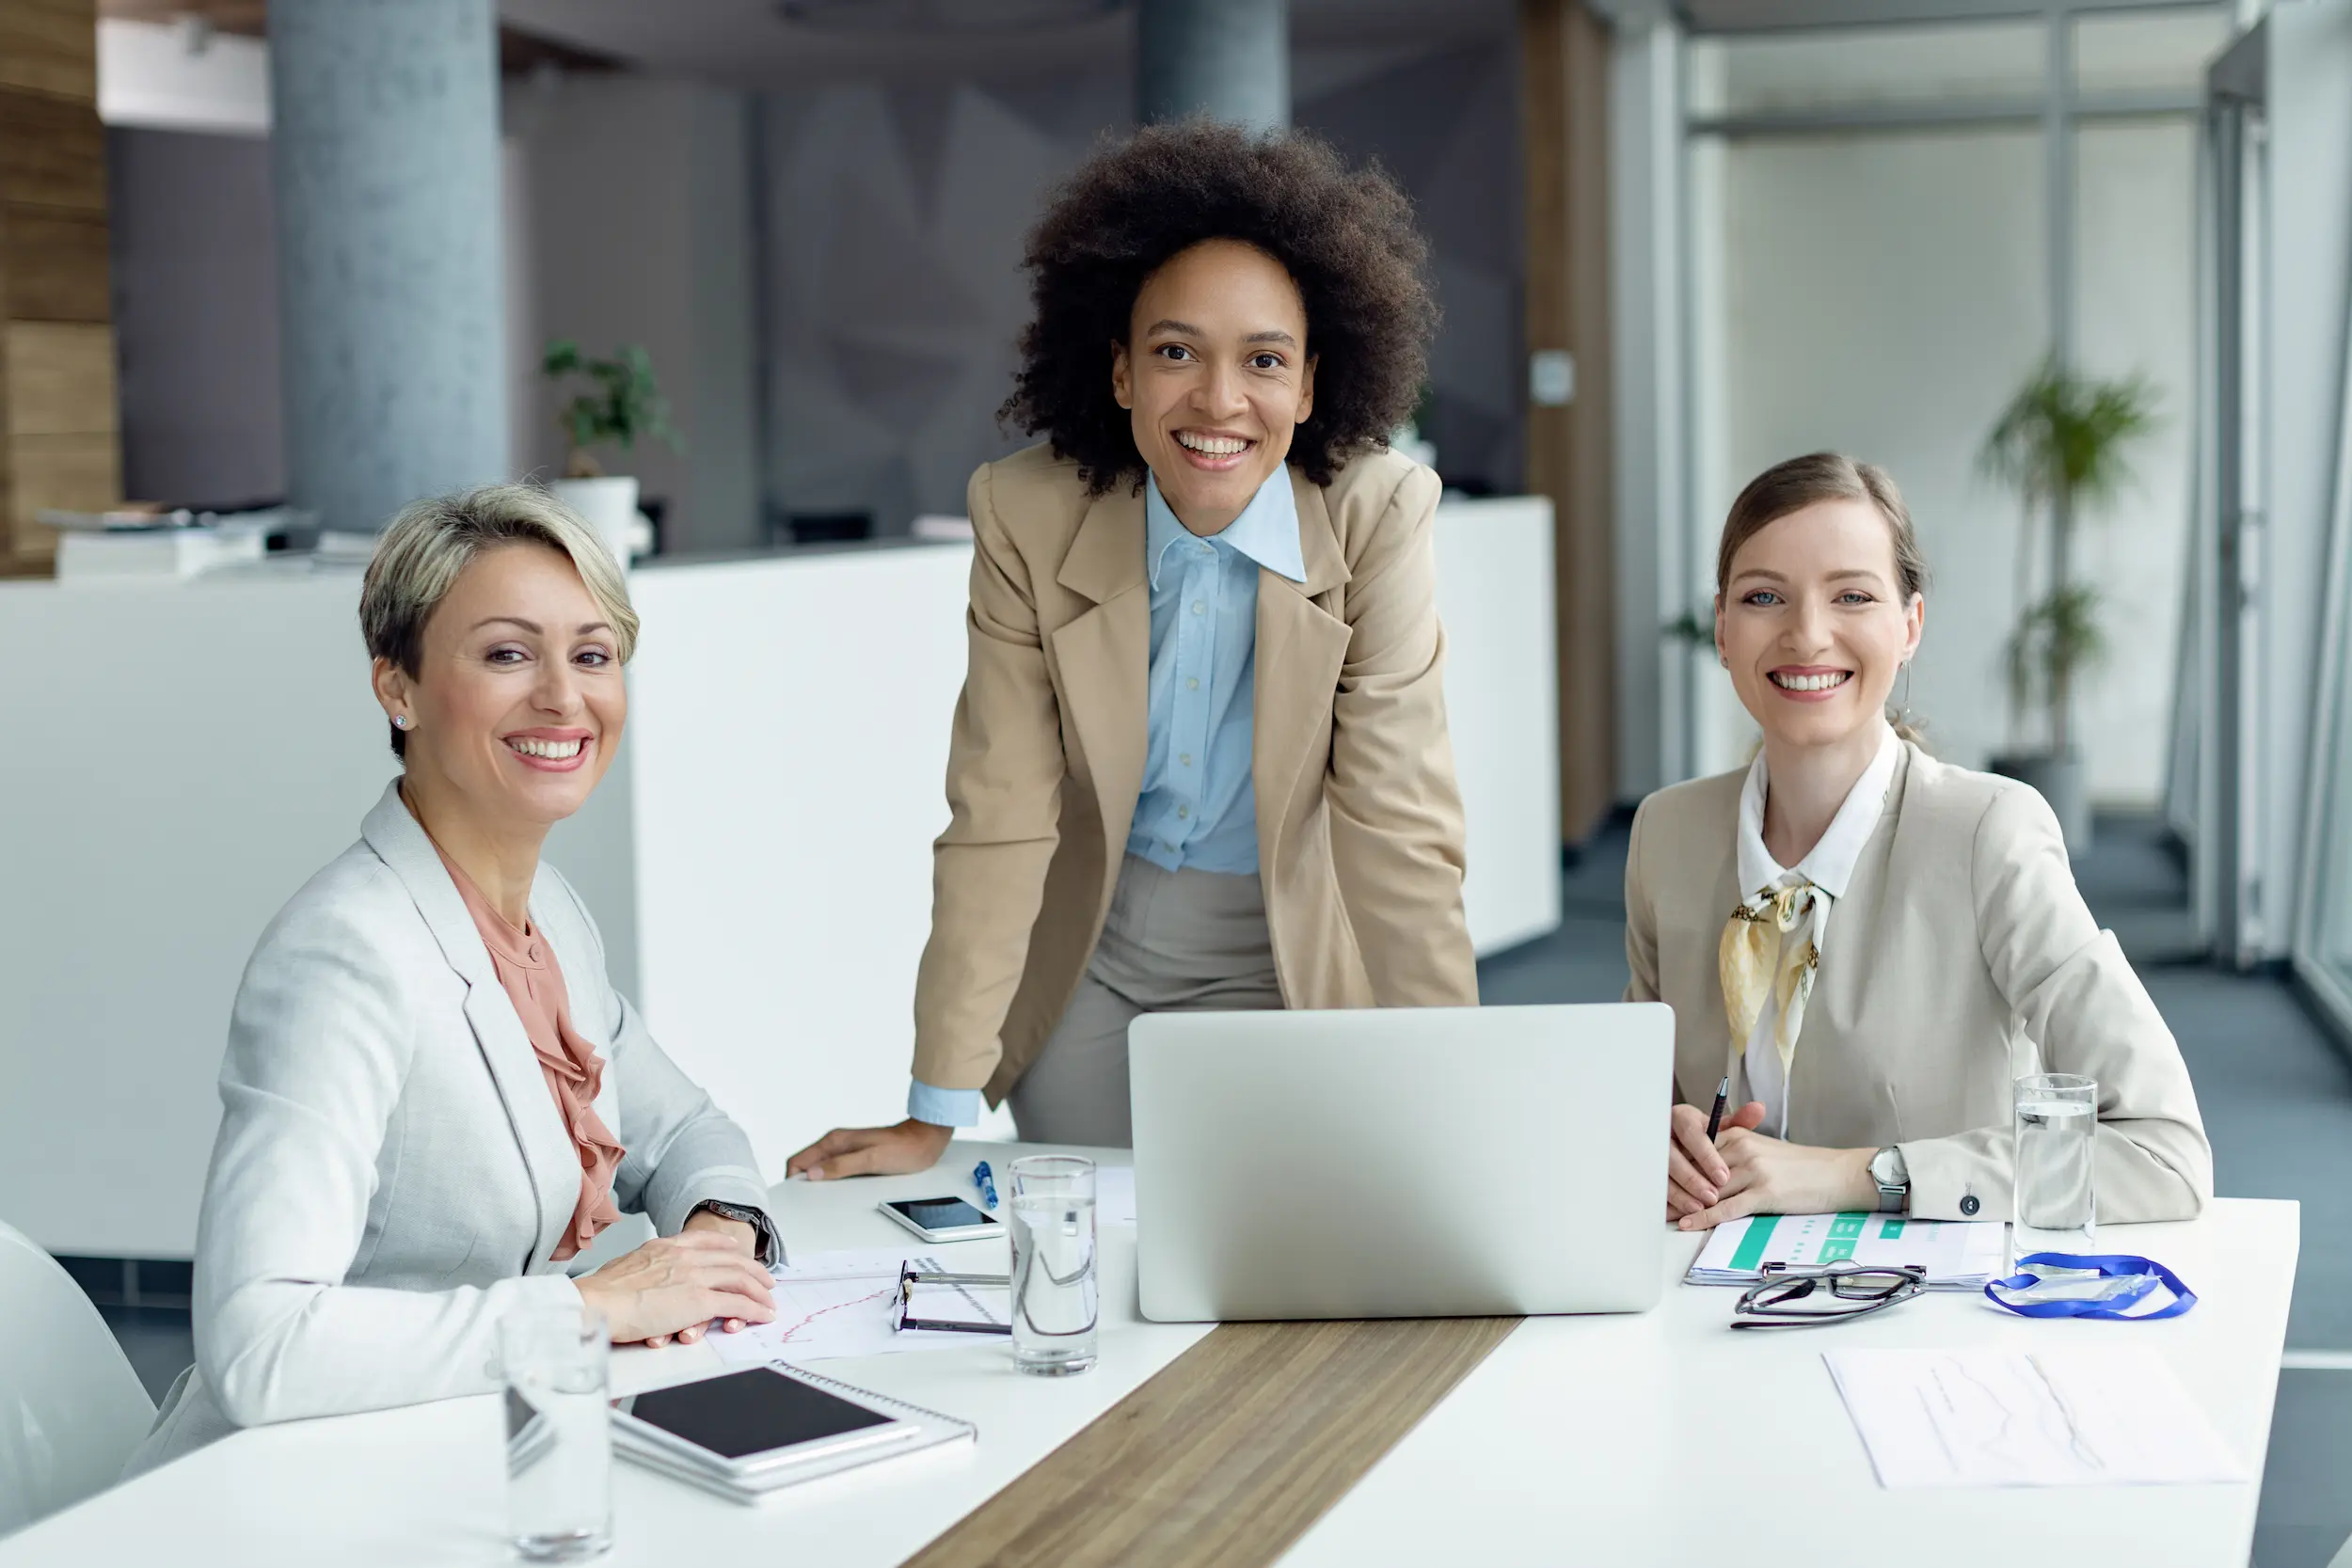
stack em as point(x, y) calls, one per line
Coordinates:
point(770, 1244)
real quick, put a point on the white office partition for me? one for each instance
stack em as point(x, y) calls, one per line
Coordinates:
point(788, 774)
point(176, 759)
point(1502, 698)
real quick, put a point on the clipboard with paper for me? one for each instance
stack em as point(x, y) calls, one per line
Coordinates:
point(1958, 1255)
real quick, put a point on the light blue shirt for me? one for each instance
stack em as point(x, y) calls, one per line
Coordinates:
point(1197, 808)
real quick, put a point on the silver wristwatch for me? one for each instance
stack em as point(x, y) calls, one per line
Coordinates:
point(1893, 1176)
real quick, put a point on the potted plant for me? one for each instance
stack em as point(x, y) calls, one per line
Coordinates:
point(622, 404)
point(2061, 442)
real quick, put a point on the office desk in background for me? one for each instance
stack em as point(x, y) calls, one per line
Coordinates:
point(176, 759)
point(1659, 1439)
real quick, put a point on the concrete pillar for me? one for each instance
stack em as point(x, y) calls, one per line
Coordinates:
point(385, 153)
point(1229, 59)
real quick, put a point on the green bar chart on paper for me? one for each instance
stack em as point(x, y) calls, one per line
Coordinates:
point(1953, 1252)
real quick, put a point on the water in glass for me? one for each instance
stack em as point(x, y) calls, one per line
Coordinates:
point(558, 1436)
point(2058, 1121)
point(1054, 1294)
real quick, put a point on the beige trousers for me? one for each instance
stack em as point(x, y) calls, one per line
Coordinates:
point(1175, 941)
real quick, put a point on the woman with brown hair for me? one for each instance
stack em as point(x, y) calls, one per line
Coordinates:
point(1200, 759)
point(1869, 944)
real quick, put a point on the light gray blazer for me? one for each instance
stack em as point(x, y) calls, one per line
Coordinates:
point(391, 1172)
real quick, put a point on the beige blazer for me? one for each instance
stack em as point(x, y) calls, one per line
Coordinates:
point(1360, 825)
point(1962, 955)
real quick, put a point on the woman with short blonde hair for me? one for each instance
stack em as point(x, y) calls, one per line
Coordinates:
point(434, 1099)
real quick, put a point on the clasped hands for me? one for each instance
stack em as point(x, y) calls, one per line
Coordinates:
point(674, 1286)
point(1744, 1172)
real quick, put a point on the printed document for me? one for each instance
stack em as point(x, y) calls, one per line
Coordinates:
point(2069, 1417)
point(838, 1303)
point(1957, 1253)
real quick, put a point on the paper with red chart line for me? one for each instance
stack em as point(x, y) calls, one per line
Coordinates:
point(837, 1304)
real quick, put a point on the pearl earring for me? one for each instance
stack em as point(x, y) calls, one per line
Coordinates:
point(400, 721)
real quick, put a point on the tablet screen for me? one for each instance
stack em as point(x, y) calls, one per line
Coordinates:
point(749, 1412)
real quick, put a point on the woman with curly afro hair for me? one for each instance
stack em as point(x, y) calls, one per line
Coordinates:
point(1200, 758)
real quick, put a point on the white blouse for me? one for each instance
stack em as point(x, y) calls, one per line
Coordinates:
point(1829, 865)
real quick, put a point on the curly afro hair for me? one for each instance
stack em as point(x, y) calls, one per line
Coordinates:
point(1346, 237)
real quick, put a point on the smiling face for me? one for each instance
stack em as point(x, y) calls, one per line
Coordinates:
point(1216, 375)
point(1814, 625)
point(518, 703)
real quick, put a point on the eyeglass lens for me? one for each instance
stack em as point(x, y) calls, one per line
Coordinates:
point(1854, 1290)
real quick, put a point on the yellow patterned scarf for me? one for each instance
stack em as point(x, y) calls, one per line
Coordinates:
point(1771, 948)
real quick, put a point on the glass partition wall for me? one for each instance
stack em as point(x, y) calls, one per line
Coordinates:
point(1888, 229)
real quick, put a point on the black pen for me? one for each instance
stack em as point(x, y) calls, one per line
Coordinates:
point(1715, 1117)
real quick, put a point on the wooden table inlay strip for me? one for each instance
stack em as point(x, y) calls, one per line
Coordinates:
point(1229, 1454)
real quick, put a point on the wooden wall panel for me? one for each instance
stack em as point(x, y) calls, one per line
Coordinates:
point(52, 152)
point(56, 263)
point(59, 416)
point(61, 378)
point(1564, 120)
point(51, 47)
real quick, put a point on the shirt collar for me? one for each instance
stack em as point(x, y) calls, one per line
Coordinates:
point(1266, 532)
point(1830, 863)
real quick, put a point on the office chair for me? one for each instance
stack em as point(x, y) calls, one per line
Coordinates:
point(70, 1407)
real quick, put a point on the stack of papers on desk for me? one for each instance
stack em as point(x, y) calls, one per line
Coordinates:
point(1959, 1255)
point(2072, 1416)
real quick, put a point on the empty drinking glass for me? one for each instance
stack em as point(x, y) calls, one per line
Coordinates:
point(2057, 1123)
point(1054, 1289)
point(559, 1438)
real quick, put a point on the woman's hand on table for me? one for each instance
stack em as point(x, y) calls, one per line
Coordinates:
point(1695, 1171)
point(674, 1286)
point(897, 1151)
point(1765, 1176)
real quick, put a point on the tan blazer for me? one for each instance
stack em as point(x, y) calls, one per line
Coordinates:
point(1962, 955)
point(1360, 825)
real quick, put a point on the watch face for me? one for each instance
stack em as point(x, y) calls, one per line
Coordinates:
point(1883, 1167)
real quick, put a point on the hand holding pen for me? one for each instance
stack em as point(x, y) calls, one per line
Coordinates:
point(1696, 1170)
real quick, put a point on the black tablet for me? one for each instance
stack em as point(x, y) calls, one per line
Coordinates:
point(754, 1419)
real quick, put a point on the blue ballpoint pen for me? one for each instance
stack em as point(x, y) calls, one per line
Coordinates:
point(986, 1180)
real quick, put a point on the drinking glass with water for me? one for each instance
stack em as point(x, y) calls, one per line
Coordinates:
point(1055, 1298)
point(559, 1437)
point(2058, 1124)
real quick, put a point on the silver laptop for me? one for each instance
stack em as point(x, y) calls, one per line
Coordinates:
point(1403, 1162)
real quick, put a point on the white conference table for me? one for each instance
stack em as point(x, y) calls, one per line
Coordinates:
point(1657, 1438)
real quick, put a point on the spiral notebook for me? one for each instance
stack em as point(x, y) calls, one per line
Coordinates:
point(932, 1430)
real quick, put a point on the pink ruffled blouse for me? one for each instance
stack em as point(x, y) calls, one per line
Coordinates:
point(526, 967)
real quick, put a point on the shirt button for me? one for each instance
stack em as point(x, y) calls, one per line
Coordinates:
point(534, 952)
point(1185, 759)
point(1969, 1205)
point(1183, 811)
point(1192, 683)
point(1198, 608)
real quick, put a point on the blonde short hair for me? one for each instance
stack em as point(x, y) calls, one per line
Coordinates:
point(424, 549)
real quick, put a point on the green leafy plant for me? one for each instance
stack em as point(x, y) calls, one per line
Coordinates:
point(2061, 442)
point(622, 404)
point(1693, 626)
point(2057, 639)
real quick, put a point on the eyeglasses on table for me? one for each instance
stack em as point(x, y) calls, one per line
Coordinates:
point(1809, 1297)
point(902, 1304)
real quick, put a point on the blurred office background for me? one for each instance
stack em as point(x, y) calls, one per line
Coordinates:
point(1674, 243)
